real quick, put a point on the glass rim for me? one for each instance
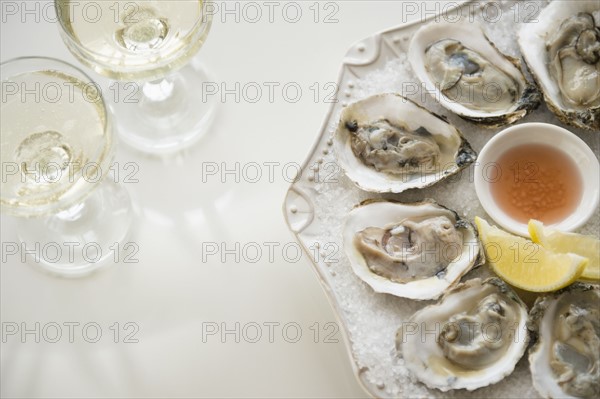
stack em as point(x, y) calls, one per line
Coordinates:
point(102, 154)
point(53, 59)
point(205, 19)
point(66, 64)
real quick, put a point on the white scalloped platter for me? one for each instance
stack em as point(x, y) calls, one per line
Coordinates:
point(319, 201)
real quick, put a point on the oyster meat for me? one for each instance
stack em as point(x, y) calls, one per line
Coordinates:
point(473, 337)
point(466, 77)
point(392, 149)
point(565, 362)
point(574, 55)
point(412, 249)
point(409, 250)
point(387, 143)
point(467, 74)
point(562, 50)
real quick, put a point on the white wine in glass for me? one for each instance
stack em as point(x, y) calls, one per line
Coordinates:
point(56, 145)
point(147, 46)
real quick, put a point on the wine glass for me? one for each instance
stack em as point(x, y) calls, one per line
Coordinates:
point(159, 106)
point(56, 145)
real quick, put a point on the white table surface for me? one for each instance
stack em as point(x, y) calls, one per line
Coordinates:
point(170, 294)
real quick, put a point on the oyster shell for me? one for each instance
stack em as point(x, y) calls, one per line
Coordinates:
point(562, 51)
point(387, 143)
point(565, 362)
point(467, 74)
point(409, 250)
point(473, 337)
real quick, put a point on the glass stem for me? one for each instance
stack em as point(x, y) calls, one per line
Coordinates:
point(69, 219)
point(158, 90)
point(72, 214)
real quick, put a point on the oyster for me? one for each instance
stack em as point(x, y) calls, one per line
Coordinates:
point(473, 337)
point(409, 250)
point(467, 74)
point(562, 51)
point(565, 362)
point(387, 143)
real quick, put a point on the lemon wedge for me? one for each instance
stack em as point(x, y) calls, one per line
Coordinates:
point(527, 265)
point(558, 241)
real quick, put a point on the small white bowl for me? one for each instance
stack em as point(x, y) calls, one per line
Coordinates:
point(556, 137)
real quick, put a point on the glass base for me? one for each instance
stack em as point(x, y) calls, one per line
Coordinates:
point(164, 116)
point(83, 238)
